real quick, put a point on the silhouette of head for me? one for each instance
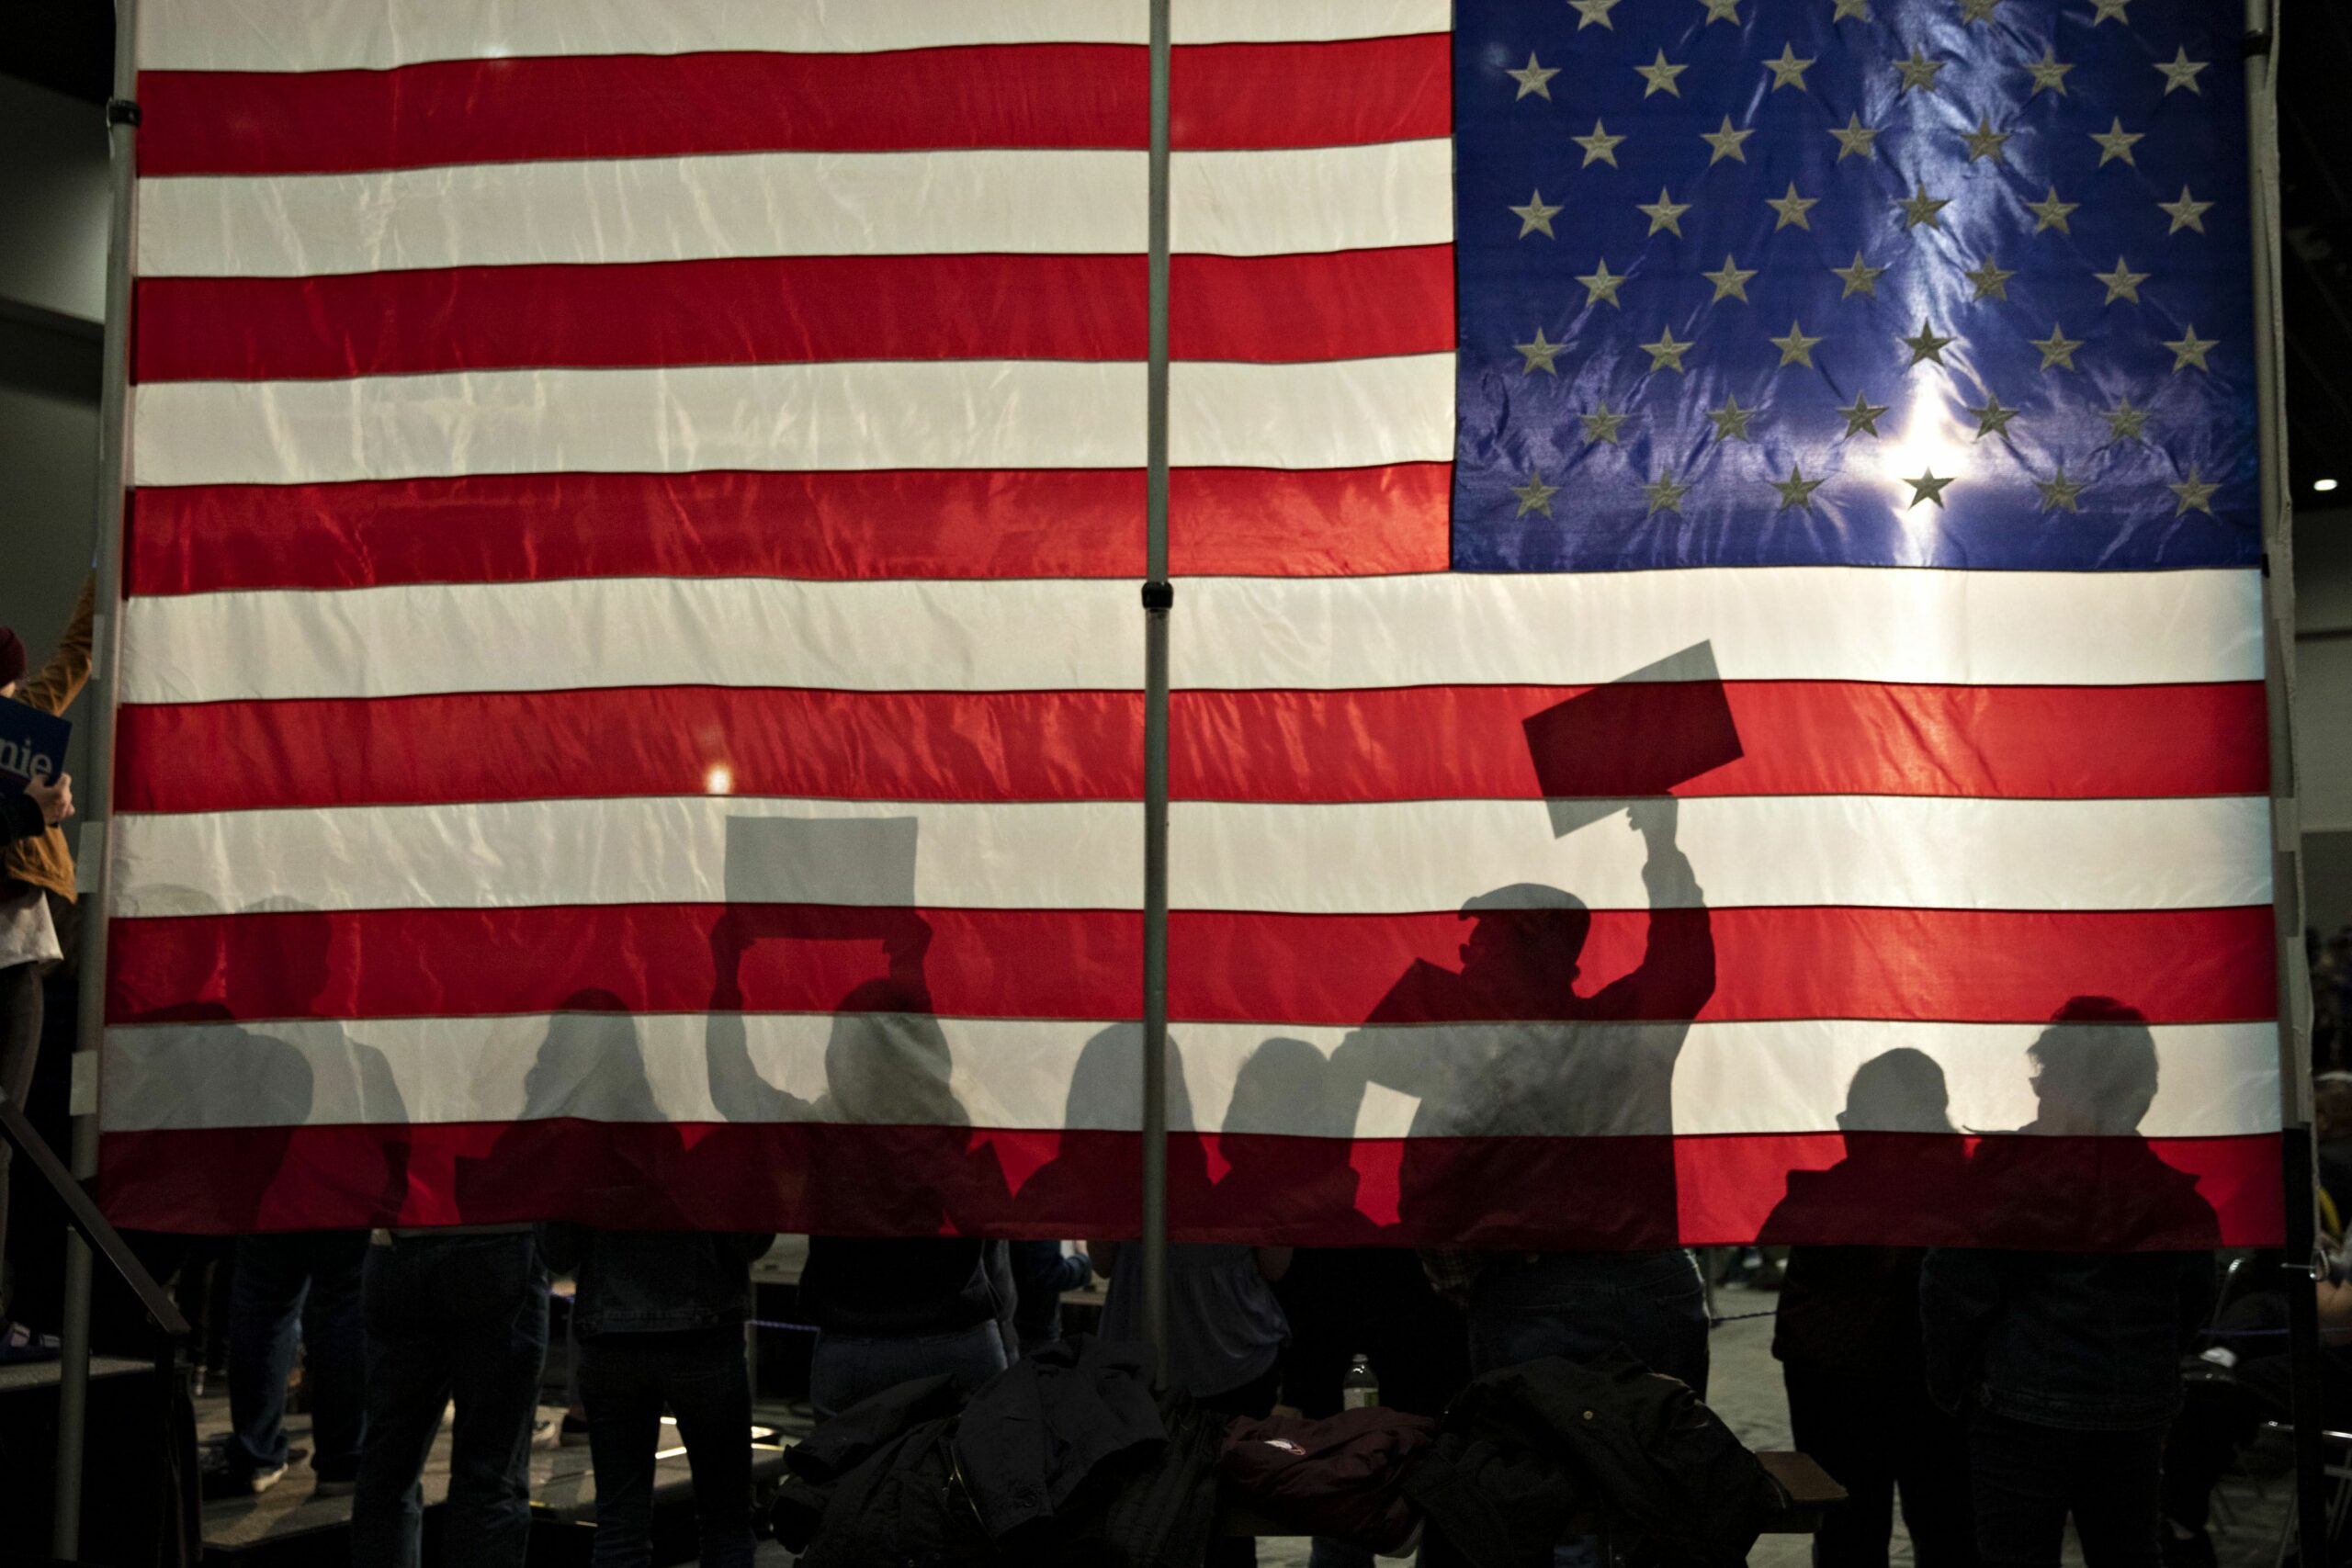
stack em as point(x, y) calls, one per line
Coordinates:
point(1285, 1086)
point(1901, 1091)
point(886, 1063)
point(1106, 1082)
point(591, 1064)
point(2095, 1068)
point(1525, 933)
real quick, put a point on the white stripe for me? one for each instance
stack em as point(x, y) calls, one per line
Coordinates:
point(785, 204)
point(862, 635)
point(1312, 198)
point(1992, 628)
point(1905, 851)
point(339, 34)
point(2215, 1081)
point(1024, 413)
point(1766, 624)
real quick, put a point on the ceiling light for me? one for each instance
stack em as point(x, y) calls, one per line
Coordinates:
point(2323, 486)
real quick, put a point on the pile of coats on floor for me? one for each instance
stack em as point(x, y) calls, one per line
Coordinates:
point(1071, 1456)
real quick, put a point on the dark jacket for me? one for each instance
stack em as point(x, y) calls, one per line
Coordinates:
point(1851, 1309)
point(1340, 1478)
point(1532, 1454)
point(1064, 1456)
point(889, 1286)
point(20, 817)
point(654, 1281)
point(2080, 1340)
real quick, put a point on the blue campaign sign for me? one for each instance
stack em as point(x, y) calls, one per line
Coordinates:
point(33, 745)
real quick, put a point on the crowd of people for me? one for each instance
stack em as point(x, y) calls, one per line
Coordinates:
point(1993, 1395)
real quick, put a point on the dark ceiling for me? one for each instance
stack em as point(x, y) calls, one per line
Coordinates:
point(68, 45)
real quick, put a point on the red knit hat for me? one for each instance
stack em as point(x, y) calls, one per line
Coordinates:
point(12, 656)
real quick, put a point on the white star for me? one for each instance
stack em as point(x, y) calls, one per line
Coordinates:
point(1600, 286)
point(1590, 11)
point(1600, 147)
point(1534, 495)
point(1664, 213)
point(1535, 218)
point(2110, 8)
point(1788, 71)
point(2186, 214)
point(2196, 494)
point(2190, 350)
point(2181, 72)
point(1534, 77)
point(1659, 74)
point(1540, 355)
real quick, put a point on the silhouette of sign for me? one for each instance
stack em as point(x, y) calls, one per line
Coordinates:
point(1642, 734)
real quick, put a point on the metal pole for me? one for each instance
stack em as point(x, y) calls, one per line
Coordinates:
point(2286, 861)
point(97, 790)
point(1158, 598)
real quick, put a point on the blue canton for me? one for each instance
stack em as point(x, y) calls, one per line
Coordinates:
point(1951, 283)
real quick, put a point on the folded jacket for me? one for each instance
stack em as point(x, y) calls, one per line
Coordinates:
point(1341, 1477)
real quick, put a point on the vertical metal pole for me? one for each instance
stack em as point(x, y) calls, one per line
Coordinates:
point(2286, 860)
point(1158, 598)
point(97, 795)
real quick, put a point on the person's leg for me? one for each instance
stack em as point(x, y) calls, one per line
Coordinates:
point(20, 1020)
point(334, 1350)
point(623, 1394)
point(710, 1393)
point(2216, 1417)
point(264, 1303)
point(408, 1351)
point(2117, 1479)
point(1839, 1418)
point(497, 1289)
point(2019, 1477)
point(1930, 1450)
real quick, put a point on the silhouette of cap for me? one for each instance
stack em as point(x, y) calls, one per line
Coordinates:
point(1520, 896)
point(12, 656)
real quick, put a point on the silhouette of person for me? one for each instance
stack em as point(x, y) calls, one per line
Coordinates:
point(308, 1071)
point(914, 1294)
point(2068, 1362)
point(1905, 1164)
point(1848, 1329)
point(1561, 1103)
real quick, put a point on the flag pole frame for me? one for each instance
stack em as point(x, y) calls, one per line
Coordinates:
point(2258, 50)
point(97, 790)
point(1159, 601)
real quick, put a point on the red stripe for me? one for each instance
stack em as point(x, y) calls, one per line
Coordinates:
point(792, 309)
point(1516, 1192)
point(947, 524)
point(2176, 965)
point(1416, 743)
point(500, 111)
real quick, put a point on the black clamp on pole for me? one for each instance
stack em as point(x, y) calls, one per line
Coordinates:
point(1159, 594)
point(122, 111)
point(2255, 45)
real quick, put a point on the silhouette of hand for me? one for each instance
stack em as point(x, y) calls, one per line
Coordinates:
point(1654, 820)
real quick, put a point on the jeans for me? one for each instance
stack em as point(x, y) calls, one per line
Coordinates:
point(1879, 1435)
point(20, 1021)
point(309, 1278)
point(462, 1317)
point(2026, 1479)
point(625, 1380)
point(846, 1368)
point(1582, 1305)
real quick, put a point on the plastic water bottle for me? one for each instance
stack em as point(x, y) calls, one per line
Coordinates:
point(1359, 1388)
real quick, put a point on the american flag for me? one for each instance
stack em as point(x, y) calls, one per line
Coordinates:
point(632, 669)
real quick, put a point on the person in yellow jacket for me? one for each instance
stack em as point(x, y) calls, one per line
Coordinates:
point(36, 872)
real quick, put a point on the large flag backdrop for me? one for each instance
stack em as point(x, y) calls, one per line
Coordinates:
point(631, 660)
